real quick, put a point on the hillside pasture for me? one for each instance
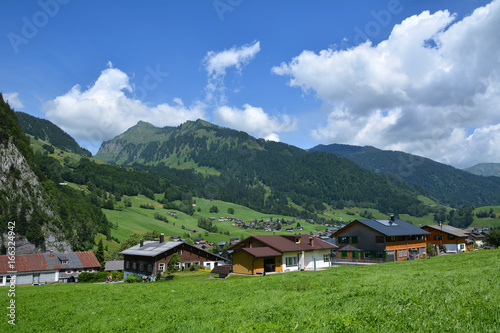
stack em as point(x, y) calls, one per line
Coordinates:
point(451, 293)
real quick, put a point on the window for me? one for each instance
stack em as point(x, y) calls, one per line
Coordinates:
point(451, 237)
point(344, 254)
point(179, 252)
point(393, 238)
point(438, 237)
point(326, 258)
point(402, 253)
point(422, 250)
point(141, 267)
point(462, 246)
point(161, 267)
point(367, 254)
point(291, 261)
point(207, 265)
point(379, 239)
point(380, 254)
point(355, 254)
point(134, 266)
point(127, 264)
point(150, 268)
point(178, 265)
point(344, 240)
point(354, 239)
point(297, 240)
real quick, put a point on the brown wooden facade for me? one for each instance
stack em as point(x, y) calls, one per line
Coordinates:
point(360, 242)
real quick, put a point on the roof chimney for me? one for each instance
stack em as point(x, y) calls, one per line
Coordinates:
point(162, 238)
point(142, 242)
point(311, 241)
point(392, 218)
point(51, 253)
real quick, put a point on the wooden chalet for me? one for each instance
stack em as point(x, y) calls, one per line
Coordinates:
point(149, 257)
point(380, 241)
point(448, 239)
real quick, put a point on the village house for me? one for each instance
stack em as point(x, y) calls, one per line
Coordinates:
point(280, 253)
point(380, 241)
point(448, 239)
point(476, 236)
point(51, 267)
point(149, 257)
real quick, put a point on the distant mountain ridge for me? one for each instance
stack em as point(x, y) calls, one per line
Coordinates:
point(48, 131)
point(443, 182)
point(485, 169)
point(257, 166)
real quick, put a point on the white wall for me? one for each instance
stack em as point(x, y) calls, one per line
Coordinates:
point(318, 255)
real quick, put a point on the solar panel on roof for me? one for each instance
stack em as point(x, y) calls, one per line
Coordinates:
point(448, 228)
point(386, 223)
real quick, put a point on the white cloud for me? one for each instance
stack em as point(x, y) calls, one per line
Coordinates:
point(217, 63)
point(103, 110)
point(254, 121)
point(13, 99)
point(437, 99)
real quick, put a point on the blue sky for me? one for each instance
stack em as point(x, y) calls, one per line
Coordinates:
point(416, 76)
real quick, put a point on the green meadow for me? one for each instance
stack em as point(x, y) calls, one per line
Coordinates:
point(139, 220)
point(451, 293)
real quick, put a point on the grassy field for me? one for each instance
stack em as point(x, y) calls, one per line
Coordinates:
point(452, 293)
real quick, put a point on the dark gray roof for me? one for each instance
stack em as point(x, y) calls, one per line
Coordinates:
point(57, 259)
point(155, 248)
point(397, 228)
point(114, 265)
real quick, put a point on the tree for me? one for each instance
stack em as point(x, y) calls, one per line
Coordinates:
point(100, 254)
point(230, 210)
point(172, 263)
point(109, 205)
point(493, 237)
point(214, 209)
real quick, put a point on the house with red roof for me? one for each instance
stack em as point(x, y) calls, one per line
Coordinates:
point(51, 267)
point(280, 253)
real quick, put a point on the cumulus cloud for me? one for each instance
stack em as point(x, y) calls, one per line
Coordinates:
point(104, 110)
point(217, 63)
point(431, 88)
point(13, 99)
point(255, 121)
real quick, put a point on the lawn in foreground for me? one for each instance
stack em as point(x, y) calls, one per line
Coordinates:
point(453, 293)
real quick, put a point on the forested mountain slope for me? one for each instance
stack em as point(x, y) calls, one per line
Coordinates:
point(485, 169)
point(47, 131)
point(443, 182)
point(46, 214)
point(254, 172)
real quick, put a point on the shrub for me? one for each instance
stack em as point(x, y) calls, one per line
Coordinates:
point(132, 279)
point(86, 277)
